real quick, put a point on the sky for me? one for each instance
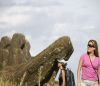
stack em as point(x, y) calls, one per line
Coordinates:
point(44, 21)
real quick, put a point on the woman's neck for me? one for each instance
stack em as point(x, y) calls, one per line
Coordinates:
point(61, 67)
point(91, 55)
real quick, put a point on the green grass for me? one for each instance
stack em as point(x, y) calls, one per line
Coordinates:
point(7, 83)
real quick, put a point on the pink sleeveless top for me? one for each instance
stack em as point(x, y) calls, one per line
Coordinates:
point(88, 72)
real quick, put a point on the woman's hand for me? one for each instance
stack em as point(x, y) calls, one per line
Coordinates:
point(79, 84)
point(78, 72)
point(99, 74)
point(63, 77)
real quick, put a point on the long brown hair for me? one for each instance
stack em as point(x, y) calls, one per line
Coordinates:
point(95, 46)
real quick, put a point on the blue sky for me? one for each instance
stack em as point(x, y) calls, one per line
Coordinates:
point(43, 21)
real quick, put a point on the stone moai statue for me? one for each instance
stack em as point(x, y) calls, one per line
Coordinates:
point(4, 51)
point(14, 51)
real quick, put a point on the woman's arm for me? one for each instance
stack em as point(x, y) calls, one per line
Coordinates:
point(63, 77)
point(99, 73)
point(78, 72)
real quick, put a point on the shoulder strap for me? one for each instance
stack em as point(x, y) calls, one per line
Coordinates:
point(93, 67)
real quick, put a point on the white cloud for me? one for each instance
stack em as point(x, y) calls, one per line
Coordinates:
point(28, 37)
point(59, 29)
point(15, 16)
point(14, 20)
point(9, 33)
point(39, 44)
point(91, 27)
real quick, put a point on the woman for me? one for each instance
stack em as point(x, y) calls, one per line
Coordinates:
point(62, 78)
point(90, 65)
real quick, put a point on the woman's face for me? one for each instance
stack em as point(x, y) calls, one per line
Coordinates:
point(90, 47)
point(59, 65)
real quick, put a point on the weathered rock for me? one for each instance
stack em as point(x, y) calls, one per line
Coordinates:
point(44, 64)
point(17, 65)
point(14, 51)
point(18, 40)
point(4, 51)
point(5, 42)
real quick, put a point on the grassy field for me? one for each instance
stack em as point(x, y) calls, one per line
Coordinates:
point(7, 83)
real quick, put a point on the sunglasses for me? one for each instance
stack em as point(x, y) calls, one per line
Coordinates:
point(90, 45)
